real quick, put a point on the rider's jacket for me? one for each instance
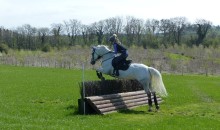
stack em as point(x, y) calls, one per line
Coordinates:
point(119, 49)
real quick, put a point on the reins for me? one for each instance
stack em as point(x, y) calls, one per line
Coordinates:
point(108, 58)
point(100, 56)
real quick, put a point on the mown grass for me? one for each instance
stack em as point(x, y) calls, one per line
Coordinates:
point(46, 98)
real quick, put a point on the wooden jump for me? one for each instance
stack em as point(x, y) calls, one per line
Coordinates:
point(113, 102)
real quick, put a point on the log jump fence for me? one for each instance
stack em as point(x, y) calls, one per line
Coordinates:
point(102, 97)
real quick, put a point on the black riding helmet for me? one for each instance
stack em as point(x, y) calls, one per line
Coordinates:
point(113, 38)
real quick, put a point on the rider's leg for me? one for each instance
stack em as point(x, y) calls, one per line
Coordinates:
point(117, 62)
point(115, 65)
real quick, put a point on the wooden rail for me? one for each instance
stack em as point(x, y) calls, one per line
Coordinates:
point(113, 102)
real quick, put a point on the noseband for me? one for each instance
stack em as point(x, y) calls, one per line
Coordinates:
point(94, 52)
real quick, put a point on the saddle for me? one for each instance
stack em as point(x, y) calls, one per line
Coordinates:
point(123, 65)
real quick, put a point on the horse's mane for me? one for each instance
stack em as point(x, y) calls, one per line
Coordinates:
point(104, 46)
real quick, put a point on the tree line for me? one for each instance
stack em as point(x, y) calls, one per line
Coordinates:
point(150, 33)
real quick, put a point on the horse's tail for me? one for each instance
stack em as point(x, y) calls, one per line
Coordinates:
point(157, 82)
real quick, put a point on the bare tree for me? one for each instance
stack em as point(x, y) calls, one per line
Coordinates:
point(99, 27)
point(110, 26)
point(165, 29)
point(138, 29)
point(1, 34)
point(133, 29)
point(113, 26)
point(43, 33)
point(73, 29)
point(29, 34)
point(152, 26)
point(151, 29)
point(56, 32)
point(85, 34)
point(129, 30)
point(178, 25)
point(6, 37)
point(91, 29)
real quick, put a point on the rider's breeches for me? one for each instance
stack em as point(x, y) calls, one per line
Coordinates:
point(120, 58)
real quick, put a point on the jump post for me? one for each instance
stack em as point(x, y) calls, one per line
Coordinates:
point(103, 97)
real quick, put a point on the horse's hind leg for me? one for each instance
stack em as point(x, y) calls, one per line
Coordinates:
point(155, 101)
point(146, 88)
point(149, 101)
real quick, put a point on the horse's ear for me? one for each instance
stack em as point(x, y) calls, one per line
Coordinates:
point(93, 48)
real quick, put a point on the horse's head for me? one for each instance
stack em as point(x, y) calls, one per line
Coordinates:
point(95, 55)
point(98, 52)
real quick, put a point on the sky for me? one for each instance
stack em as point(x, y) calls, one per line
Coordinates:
point(43, 13)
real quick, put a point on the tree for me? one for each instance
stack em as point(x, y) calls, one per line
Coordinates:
point(26, 38)
point(92, 34)
point(165, 29)
point(138, 29)
point(43, 33)
point(202, 28)
point(6, 37)
point(133, 29)
point(1, 33)
point(178, 25)
point(85, 34)
point(56, 31)
point(152, 26)
point(130, 30)
point(73, 30)
point(113, 26)
point(99, 31)
point(151, 29)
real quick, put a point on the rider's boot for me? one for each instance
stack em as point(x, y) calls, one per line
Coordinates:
point(114, 72)
point(117, 72)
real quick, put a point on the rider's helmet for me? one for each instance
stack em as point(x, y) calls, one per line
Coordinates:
point(113, 38)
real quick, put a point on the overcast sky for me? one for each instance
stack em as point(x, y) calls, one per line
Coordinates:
point(43, 13)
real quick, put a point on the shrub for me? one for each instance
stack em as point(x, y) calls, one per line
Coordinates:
point(4, 48)
point(150, 42)
point(46, 48)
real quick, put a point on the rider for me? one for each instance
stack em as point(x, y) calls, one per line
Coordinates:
point(118, 48)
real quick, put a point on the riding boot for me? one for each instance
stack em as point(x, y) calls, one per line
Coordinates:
point(114, 72)
point(117, 72)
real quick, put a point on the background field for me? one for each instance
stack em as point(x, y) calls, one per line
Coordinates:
point(177, 59)
point(46, 98)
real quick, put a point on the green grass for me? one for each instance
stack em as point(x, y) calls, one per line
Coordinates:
point(46, 98)
point(177, 56)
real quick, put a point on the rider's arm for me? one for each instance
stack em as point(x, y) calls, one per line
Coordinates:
point(115, 48)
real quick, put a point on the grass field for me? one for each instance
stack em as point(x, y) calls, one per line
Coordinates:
point(46, 98)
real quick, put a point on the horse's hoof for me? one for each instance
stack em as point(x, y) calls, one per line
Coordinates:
point(158, 107)
point(149, 110)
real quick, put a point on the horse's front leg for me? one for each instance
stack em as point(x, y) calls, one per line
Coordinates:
point(99, 74)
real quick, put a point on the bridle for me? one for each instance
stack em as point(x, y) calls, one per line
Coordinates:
point(99, 56)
